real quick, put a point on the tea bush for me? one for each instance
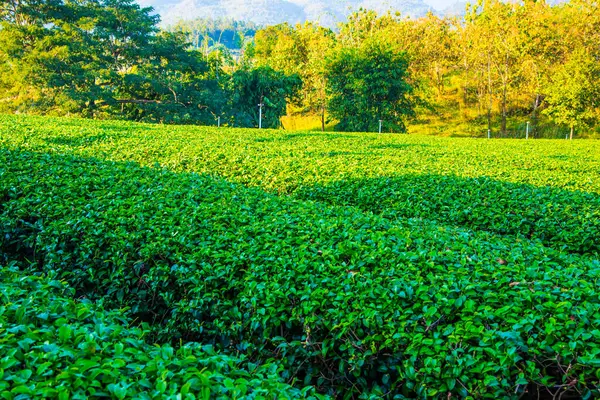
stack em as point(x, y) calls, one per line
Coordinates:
point(52, 346)
point(538, 189)
point(565, 220)
point(346, 300)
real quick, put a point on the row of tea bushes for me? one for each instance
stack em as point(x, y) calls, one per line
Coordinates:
point(565, 220)
point(282, 161)
point(345, 300)
point(544, 190)
point(53, 346)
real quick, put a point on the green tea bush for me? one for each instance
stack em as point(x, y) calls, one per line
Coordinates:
point(348, 301)
point(537, 189)
point(52, 346)
point(565, 220)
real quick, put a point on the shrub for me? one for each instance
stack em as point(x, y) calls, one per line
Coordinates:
point(53, 346)
point(346, 300)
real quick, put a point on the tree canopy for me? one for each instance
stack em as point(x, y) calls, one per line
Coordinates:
point(265, 87)
point(108, 58)
point(367, 84)
point(502, 64)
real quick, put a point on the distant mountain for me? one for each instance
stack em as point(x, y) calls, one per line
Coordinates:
point(269, 12)
point(459, 8)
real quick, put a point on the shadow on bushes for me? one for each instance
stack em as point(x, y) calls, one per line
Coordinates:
point(342, 299)
point(565, 220)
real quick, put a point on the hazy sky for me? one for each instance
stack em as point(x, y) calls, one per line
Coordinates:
point(437, 4)
point(440, 4)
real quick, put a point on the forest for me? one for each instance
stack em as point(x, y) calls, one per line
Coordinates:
point(504, 69)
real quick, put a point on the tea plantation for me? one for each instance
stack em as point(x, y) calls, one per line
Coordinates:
point(147, 261)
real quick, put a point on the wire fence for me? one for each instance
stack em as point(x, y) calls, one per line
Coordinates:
point(522, 131)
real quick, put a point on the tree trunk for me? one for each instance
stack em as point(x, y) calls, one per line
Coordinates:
point(489, 94)
point(91, 108)
point(534, 117)
point(465, 88)
point(503, 124)
point(572, 129)
point(504, 90)
point(323, 119)
point(439, 81)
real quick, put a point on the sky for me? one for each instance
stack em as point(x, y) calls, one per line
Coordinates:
point(173, 10)
point(440, 4)
point(437, 4)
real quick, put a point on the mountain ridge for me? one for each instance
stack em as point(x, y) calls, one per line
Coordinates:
point(270, 12)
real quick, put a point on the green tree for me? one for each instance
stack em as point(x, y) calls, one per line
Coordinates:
point(316, 42)
point(367, 84)
point(172, 85)
point(540, 41)
point(76, 52)
point(262, 85)
point(298, 50)
point(573, 93)
point(430, 44)
point(102, 58)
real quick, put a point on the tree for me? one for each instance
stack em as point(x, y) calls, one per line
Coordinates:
point(573, 93)
point(540, 42)
point(430, 44)
point(367, 84)
point(172, 85)
point(76, 52)
point(492, 31)
point(101, 58)
point(316, 43)
point(262, 85)
point(366, 24)
point(300, 50)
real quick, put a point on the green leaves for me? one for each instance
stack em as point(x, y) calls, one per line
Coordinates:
point(262, 85)
point(69, 371)
point(384, 281)
point(367, 84)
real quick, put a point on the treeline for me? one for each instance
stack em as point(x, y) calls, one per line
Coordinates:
point(501, 64)
point(108, 59)
point(498, 66)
